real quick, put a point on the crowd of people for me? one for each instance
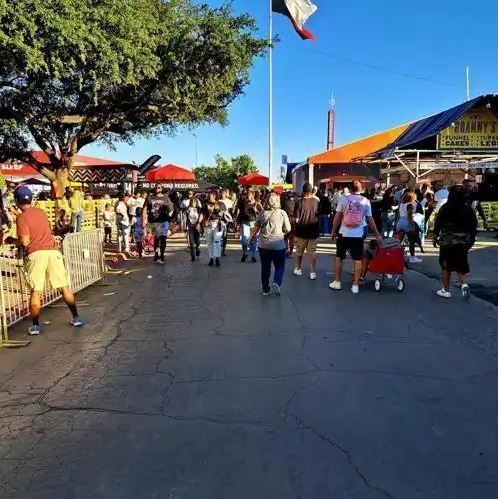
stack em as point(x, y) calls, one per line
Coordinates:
point(275, 227)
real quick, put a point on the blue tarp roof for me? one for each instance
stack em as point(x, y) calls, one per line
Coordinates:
point(431, 126)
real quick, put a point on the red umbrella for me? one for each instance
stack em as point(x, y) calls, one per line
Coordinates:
point(253, 179)
point(169, 172)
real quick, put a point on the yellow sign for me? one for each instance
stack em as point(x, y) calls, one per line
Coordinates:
point(474, 130)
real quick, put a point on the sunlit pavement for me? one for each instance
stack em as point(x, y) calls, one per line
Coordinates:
point(186, 383)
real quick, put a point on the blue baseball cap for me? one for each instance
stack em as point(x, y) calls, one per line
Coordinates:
point(23, 194)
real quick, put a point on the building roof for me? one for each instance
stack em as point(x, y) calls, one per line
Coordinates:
point(384, 144)
point(21, 169)
point(433, 125)
point(361, 147)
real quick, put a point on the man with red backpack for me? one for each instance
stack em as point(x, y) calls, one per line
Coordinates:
point(348, 230)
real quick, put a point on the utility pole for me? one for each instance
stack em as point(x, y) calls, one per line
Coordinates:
point(467, 80)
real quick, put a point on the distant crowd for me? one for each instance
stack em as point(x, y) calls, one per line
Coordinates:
point(276, 227)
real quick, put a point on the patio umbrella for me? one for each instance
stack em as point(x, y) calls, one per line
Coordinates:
point(253, 179)
point(169, 172)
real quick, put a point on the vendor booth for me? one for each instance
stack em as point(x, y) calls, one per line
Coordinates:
point(337, 167)
point(461, 142)
point(86, 169)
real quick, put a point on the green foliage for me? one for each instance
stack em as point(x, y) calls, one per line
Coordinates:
point(225, 172)
point(73, 72)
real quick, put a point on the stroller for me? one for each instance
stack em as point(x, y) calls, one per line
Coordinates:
point(388, 262)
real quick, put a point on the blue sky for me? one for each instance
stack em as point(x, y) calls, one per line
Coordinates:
point(428, 38)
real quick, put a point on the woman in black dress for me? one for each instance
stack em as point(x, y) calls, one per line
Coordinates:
point(455, 233)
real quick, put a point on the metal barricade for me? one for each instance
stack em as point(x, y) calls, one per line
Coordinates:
point(84, 261)
point(84, 258)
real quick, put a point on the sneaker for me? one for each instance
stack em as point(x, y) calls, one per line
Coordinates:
point(77, 322)
point(465, 290)
point(254, 259)
point(313, 276)
point(34, 330)
point(335, 285)
point(276, 288)
point(443, 293)
point(211, 262)
point(161, 261)
point(355, 289)
point(298, 272)
point(243, 259)
point(218, 262)
point(266, 293)
point(414, 259)
point(362, 281)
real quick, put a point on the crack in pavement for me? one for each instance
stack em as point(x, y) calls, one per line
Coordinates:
point(303, 426)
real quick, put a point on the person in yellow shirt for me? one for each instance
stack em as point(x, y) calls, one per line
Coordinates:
point(76, 204)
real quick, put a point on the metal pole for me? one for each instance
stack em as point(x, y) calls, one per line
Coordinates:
point(417, 172)
point(467, 78)
point(270, 92)
point(196, 150)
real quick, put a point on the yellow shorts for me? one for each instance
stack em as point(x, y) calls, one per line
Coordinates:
point(303, 245)
point(43, 265)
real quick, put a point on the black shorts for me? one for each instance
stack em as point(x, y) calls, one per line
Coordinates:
point(455, 258)
point(352, 244)
point(107, 230)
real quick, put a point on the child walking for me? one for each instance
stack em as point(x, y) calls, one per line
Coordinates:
point(109, 219)
point(138, 231)
point(214, 230)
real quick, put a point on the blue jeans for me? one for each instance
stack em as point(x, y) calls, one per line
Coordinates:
point(77, 220)
point(277, 257)
point(246, 234)
point(325, 224)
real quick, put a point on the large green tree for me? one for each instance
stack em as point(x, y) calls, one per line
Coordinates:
point(225, 172)
point(73, 72)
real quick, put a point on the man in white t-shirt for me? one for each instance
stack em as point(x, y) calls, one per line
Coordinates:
point(348, 230)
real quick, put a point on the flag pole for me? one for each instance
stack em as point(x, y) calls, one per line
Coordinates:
point(270, 93)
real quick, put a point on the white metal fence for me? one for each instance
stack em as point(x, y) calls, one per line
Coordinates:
point(84, 260)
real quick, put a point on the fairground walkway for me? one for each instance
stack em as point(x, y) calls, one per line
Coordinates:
point(190, 385)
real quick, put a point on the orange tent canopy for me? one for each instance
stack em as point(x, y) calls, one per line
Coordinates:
point(367, 145)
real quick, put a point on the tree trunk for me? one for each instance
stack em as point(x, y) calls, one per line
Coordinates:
point(60, 176)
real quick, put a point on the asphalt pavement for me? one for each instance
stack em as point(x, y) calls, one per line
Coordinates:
point(187, 383)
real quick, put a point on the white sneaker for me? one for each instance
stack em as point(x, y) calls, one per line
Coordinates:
point(337, 285)
point(298, 272)
point(414, 259)
point(443, 293)
point(276, 288)
point(465, 290)
point(313, 276)
point(355, 289)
